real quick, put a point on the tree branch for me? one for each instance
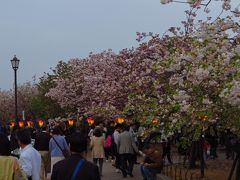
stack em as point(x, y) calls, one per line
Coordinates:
point(207, 4)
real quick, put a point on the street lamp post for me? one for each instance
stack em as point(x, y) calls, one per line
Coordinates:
point(15, 64)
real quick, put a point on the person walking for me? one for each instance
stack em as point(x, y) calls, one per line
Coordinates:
point(132, 131)
point(9, 166)
point(30, 158)
point(115, 146)
point(42, 145)
point(97, 147)
point(14, 143)
point(109, 142)
point(127, 148)
point(77, 165)
point(56, 146)
point(206, 150)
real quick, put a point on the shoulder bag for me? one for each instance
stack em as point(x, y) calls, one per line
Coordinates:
point(65, 152)
point(76, 170)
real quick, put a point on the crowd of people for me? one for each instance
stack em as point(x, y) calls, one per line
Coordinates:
point(120, 145)
point(59, 153)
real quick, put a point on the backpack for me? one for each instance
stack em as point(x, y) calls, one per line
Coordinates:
point(108, 141)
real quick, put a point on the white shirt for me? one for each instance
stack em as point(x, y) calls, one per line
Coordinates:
point(133, 134)
point(116, 136)
point(90, 134)
point(30, 160)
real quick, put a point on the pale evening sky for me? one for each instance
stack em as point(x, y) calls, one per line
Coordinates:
point(42, 32)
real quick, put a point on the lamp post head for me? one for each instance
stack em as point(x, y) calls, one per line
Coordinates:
point(15, 62)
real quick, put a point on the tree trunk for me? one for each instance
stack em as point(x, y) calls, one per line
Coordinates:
point(202, 162)
point(193, 154)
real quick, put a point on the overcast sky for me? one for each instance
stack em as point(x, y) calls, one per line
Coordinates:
point(42, 32)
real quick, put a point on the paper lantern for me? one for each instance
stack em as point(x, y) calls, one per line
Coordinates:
point(155, 121)
point(29, 124)
point(40, 123)
point(120, 120)
point(21, 123)
point(70, 122)
point(90, 121)
point(12, 124)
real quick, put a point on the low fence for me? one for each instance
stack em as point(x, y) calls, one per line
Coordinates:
point(180, 172)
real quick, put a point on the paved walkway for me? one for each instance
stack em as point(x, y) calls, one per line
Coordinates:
point(110, 174)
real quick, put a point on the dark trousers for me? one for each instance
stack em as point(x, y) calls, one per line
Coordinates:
point(117, 161)
point(108, 152)
point(99, 163)
point(149, 173)
point(213, 152)
point(126, 164)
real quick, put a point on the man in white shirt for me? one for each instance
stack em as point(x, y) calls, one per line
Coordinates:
point(30, 158)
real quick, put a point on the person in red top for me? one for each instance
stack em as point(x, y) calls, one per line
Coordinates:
point(206, 148)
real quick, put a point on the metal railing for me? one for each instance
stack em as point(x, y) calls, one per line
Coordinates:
point(180, 171)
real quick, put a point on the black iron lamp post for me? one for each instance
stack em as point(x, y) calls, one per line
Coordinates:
point(15, 64)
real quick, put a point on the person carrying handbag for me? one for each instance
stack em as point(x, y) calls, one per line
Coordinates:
point(77, 165)
point(58, 147)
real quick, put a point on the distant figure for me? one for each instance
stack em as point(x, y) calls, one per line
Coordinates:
point(206, 149)
point(126, 148)
point(76, 166)
point(229, 143)
point(42, 145)
point(132, 131)
point(13, 142)
point(56, 144)
point(30, 159)
point(90, 134)
point(167, 150)
point(153, 162)
point(116, 135)
point(97, 147)
point(109, 149)
point(9, 166)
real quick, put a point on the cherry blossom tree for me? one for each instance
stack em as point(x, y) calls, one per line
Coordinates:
point(26, 92)
point(187, 76)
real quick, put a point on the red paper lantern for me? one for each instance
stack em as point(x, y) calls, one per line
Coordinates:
point(12, 124)
point(21, 123)
point(90, 121)
point(40, 123)
point(29, 124)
